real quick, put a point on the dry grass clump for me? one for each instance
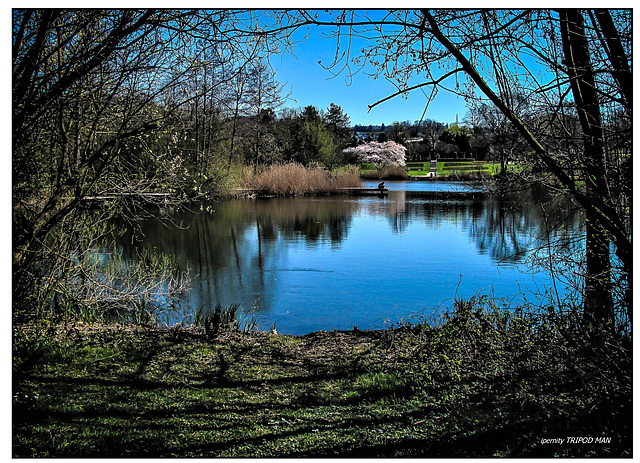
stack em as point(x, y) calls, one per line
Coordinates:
point(296, 179)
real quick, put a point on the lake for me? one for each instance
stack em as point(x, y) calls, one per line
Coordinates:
point(315, 263)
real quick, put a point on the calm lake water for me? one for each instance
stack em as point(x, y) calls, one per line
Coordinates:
point(336, 262)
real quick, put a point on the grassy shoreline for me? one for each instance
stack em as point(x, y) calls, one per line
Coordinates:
point(295, 179)
point(476, 385)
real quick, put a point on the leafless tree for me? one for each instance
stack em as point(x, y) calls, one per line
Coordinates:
point(567, 65)
point(97, 95)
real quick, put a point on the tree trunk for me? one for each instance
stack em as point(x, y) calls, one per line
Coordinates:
point(617, 56)
point(604, 222)
point(598, 303)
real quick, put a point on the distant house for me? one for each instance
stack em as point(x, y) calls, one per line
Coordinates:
point(364, 135)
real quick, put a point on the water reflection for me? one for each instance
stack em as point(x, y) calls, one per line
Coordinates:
point(504, 226)
point(338, 261)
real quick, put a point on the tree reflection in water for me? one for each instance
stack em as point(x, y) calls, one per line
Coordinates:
point(240, 250)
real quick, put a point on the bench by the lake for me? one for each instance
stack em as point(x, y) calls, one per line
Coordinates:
point(367, 191)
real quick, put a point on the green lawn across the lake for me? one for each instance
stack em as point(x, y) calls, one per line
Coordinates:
point(444, 169)
point(465, 389)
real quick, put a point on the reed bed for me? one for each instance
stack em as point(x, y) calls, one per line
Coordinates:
point(296, 179)
point(387, 173)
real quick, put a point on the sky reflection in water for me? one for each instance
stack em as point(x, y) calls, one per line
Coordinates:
point(335, 262)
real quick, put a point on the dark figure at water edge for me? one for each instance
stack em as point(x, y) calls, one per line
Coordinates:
point(381, 185)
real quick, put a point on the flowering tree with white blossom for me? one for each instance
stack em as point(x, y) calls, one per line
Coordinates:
point(380, 154)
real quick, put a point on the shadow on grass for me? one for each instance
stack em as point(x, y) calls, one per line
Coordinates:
point(321, 395)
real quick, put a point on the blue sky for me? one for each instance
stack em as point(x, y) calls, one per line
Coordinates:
point(310, 84)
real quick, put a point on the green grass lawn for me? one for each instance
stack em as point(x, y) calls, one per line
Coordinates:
point(445, 169)
point(464, 389)
point(467, 167)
